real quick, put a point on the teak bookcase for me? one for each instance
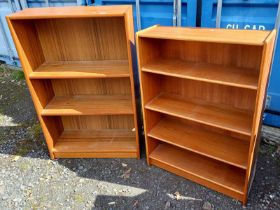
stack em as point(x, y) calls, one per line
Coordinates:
point(77, 63)
point(202, 98)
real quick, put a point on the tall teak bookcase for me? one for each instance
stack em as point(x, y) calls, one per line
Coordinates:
point(78, 67)
point(202, 96)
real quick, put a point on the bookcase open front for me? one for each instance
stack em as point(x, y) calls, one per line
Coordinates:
point(202, 98)
point(78, 67)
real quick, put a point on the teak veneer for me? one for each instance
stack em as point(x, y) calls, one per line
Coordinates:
point(202, 97)
point(78, 66)
point(82, 69)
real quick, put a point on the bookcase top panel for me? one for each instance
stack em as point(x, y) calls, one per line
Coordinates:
point(70, 12)
point(246, 37)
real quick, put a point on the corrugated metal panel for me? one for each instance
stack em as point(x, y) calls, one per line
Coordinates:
point(162, 12)
point(8, 52)
point(51, 3)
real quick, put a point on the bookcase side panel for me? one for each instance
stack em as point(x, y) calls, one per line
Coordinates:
point(259, 107)
point(131, 51)
point(30, 55)
point(29, 46)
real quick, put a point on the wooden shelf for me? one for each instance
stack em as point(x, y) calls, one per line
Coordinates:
point(96, 143)
point(82, 69)
point(227, 119)
point(223, 148)
point(246, 37)
point(88, 105)
point(237, 77)
point(216, 175)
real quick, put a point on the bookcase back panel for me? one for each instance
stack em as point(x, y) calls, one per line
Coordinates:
point(219, 95)
point(216, 94)
point(119, 86)
point(210, 128)
point(97, 122)
point(157, 117)
point(245, 56)
point(234, 55)
point(79, 39)
point(82, 39)
point(46, 89)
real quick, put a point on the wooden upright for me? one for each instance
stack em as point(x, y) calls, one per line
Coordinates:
point(78, 67)
point(202, 96)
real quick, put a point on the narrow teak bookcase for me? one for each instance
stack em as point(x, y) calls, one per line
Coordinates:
point(202, 97)
point(78, 66)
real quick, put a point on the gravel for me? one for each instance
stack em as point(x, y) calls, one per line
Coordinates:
point(30, 180)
